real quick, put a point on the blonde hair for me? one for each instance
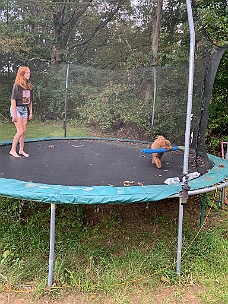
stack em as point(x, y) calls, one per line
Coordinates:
point(24, 83)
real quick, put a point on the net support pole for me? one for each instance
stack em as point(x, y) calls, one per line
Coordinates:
point(52, 245)
point(185, 188)
point(154, 100)
point(66, 100)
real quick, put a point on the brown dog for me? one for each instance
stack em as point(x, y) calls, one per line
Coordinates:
point(160, 142)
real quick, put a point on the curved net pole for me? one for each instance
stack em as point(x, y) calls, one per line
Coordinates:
point(185, 187)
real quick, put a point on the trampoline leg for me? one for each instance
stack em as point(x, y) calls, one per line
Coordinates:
point(179, 245)
point(204, 200)
point(219, 203)
point(52, 244)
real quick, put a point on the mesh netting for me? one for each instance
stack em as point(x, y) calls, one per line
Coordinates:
point(121, 102)
point(110, 84)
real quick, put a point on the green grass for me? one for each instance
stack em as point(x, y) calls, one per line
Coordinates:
point(45, 129)
point(112, 254)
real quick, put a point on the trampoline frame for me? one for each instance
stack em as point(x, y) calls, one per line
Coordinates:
point(182, 190)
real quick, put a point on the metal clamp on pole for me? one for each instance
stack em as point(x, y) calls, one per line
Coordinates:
point(185, 189)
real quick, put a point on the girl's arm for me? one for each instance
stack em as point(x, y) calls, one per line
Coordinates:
point(30, 110)
point(13, 105)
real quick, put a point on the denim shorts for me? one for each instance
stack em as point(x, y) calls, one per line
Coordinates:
point(22, 111)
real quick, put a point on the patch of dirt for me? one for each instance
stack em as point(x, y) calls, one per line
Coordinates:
point(171, 295)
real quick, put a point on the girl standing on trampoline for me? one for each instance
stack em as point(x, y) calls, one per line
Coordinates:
point(21, 109)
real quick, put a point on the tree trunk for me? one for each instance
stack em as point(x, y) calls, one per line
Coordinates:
point(155, 32)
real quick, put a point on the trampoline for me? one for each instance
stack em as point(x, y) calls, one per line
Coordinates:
point(91, 170)
point(99, 171)
point(93, 162)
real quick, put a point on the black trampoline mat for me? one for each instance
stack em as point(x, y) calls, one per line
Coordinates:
point(92, 162)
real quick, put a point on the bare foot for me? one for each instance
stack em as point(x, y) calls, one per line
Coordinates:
point(24, 154)
point(14, 154)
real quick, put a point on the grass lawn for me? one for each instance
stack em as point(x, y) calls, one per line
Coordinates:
point(42, 129)
point(113, 253)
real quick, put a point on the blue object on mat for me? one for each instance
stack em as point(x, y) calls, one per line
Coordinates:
point(159, 150)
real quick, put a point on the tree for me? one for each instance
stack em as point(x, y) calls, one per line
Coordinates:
point(156, 31)
point(52, 31)
point(213, 14)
